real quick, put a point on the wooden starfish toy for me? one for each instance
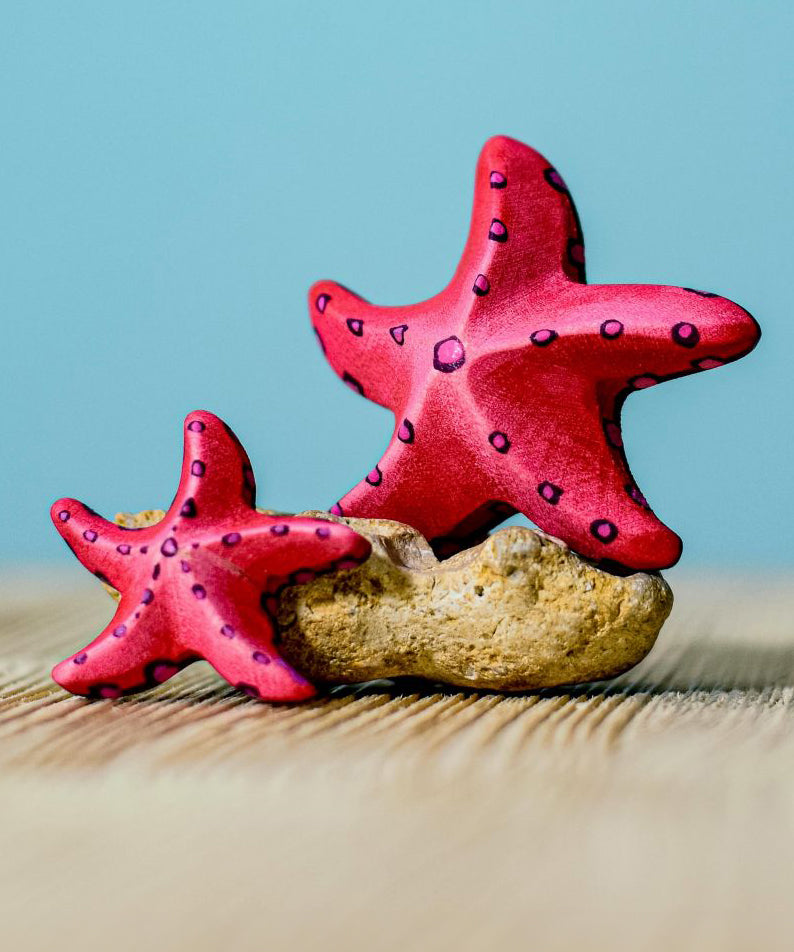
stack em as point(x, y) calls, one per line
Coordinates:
point(507, 386)
point(203, 582)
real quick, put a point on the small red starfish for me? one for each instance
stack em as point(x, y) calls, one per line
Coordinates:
point(507, 386)
point(203, 582)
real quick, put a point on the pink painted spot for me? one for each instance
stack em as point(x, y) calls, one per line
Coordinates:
point(355, 327)
point(261, 658)
point(611, 329)
point(162, 672)
point(123, 549)
point(497, 231)
point(322, 302)
point(543, 337)
point(196, 426)
point(709, 363)
point(642, 383)
point(63, 515)
point(406, 432)
point(336, 509)
point(450, 351)
point(110, 691)
point(613, 434)
point(481, 285)
point(90, 536)
point(498, 180)
point(374, 477)
point(554, 177)
point(398, 333)
point(323, 532)
point(499, 441)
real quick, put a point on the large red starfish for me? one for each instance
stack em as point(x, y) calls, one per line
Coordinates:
point(202, 582)
point(507, 387)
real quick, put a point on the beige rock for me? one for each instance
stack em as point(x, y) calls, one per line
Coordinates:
point(517, 612)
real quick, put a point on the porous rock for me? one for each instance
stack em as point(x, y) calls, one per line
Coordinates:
point(520, 611)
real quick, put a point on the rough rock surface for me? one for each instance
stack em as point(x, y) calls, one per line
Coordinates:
point(519, 611)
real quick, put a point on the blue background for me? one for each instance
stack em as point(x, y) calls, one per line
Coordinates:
point(173, 177)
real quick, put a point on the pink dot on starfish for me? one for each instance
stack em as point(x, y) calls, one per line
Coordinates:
point(199, 591)
point(642, 383)
point(497, 180)
point(336, 509)
point(449, 355)
point(63, 515)
point(322, 302)
point(613, 434)
point(497, 231)
point(481, 285)
point(398, 333)
point(198, 468)
point(110, 692)
point(261, 658)
point(611, 329)
point(227, 631)
point(709, 363)
point(162, 672)
point(119, 631)
point(556, 179)
point(123, 549)
point(90, 536)
point(405, 434)
point(323, 532)
point(196, 426)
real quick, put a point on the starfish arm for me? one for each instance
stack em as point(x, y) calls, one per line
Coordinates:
point(129, 655)
point(563, 465)
point(234, 629)
point(364, 344)
point(101, 546)
point(524, 231)
point(643, 334)
point(217, 479)
point(251, 664)
point(405, 486)
point(294, 548)
point(589, 499)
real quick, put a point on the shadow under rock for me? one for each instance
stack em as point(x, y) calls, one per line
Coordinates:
point(709, 668)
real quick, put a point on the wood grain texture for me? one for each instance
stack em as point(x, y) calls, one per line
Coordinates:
point(653, 811)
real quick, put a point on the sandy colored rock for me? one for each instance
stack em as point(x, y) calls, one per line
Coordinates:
point(518, 612)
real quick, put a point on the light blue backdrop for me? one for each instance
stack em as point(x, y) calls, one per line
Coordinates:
point(173, 176)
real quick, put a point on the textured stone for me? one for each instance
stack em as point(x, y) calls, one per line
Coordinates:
point(517, 612)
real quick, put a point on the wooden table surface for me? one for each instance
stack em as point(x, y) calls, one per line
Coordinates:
point(651, 812)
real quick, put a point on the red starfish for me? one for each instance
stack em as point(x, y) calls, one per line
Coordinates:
point(507, 387)
point(202, 583)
